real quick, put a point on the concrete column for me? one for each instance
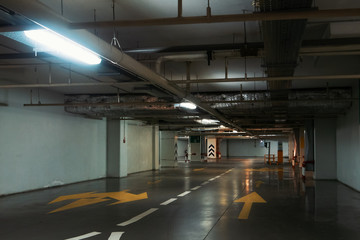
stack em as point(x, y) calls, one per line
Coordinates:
point(211, 147)
point(195, 146)
point(203, 143)
point(116, 149)
point(168, 149)
point(280, 153)
point(309, 144)
point(325, 149)
point(302, 146)
point(156, 147)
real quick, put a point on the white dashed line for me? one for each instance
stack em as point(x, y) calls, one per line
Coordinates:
point(84, 236)
point(168, 201)
point(204, 183)
point(184, 194)
point(217, 177)
point(211, 179)
point(115, 235)
point(196, 188)
point(138, 217)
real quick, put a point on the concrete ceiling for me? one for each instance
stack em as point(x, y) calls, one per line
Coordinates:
point(327, 47)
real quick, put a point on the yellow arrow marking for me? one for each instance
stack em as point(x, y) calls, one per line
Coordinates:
point(264, 170)
point(198, 169)
point(154, 182)
point(84, 199)
point(249, 200)
point(80, 203)
point(258, 183)
point(124, 197)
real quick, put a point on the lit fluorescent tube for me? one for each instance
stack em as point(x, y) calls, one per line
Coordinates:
point(52, 42)
point(207, 121)
point(188, 105)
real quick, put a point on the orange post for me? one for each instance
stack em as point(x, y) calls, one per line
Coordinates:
point(280, 157)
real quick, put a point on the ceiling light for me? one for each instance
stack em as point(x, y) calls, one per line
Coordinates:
point(54, 43)
point(188, 105)
point(207, 121)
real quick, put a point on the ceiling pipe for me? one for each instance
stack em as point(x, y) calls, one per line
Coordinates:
point(195, 57)
point(56, 85)
point(260, 79)
point(121, 104)
point(176, 58)
point(263, 16)
point(85, 104)
point(339, 44)
point(42, 14)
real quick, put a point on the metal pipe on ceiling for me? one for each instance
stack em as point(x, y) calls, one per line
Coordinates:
point(175, 58)
point(257, 79)
point(121, 104)
point(263, 16)
point(41, 14)
point(56, 85)
point(86, 104)
point(219, 80)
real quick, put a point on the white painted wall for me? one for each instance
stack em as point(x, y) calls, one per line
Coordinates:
point(183, 144)
point(168, 149)
point(140, 147)
point(348, 144)
point(211, 142)
point(42, 146)
point(244, 147)
point(325, 149)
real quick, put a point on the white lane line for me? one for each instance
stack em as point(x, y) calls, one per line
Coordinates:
point(184, 194)
point(204, 183)
point(211, 179)
point(196, 188)
point(138, 217)
point(115, 235)
point(84, 236)
point(168, 201)
point(217, 177)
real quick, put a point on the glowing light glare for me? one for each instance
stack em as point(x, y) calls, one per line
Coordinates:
point(55, 43)
point(188, 105)
point(207, 121)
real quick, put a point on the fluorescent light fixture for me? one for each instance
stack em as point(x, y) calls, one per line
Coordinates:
point(54, 43)
point(188, 105)
point(207, 121)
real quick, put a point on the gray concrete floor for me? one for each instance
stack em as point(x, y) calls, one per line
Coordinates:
point(293, 210)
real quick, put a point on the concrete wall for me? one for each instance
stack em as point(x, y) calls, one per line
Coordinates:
point(182, 146)
point(42, 147)
point(168, 149)
point(325, 149)
point(140, 147)
point(244, 147)
point(348, 144)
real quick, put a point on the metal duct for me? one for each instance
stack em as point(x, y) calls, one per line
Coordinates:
point(259, 104)
point(40, 13)
point(282, 42)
